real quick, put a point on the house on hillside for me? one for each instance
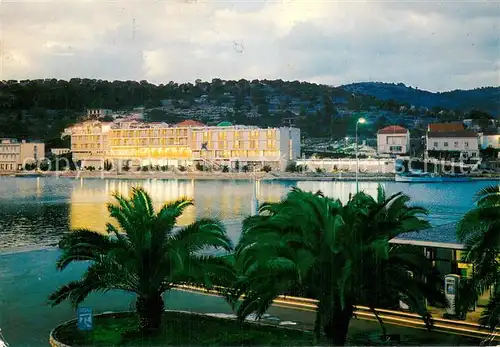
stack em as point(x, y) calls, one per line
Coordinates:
point(451, 141)
point(393, 139)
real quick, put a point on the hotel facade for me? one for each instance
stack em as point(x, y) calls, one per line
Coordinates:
point(187, 143)
point(15, 154)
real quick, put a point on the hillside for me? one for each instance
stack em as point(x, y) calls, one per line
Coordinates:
point(485, 99)
point(41, 109)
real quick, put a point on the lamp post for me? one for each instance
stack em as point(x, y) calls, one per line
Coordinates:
point(360, 121)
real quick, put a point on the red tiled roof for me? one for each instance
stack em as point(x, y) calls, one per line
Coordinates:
point(190, 123)
point(393, 129)
point(463, 133)
point(445, 127)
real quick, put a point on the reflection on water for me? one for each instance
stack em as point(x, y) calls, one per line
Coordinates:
point(34, 212)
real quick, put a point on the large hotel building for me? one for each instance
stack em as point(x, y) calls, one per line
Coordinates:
point(14, 154)
point(187, 143)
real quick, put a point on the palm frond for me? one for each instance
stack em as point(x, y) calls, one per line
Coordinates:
point(82, 245)
point(203, 233)
point(490, 191)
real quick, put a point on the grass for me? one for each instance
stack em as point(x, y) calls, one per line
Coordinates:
point(182, 329)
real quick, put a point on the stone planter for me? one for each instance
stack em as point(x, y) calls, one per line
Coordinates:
point(53, 338)
point(55, 342)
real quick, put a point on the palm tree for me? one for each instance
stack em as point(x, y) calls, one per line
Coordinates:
point(338, 254)
point(144, 254)
point(479, 230)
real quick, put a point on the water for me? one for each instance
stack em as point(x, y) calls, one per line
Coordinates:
point(35, 212)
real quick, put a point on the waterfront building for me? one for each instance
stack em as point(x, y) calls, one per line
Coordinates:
point(451, 140)
point(59, 151)
point(489, 139)
point(187, 143)
point(393, 139)
point(89, 142)
point(14, 154)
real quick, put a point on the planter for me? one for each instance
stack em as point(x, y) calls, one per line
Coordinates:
point(55, 339)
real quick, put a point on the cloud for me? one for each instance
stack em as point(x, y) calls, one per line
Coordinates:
point(435, 45)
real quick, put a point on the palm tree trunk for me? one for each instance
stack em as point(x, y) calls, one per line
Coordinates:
point(337, 325)
point(149, 312)
point(317, 327)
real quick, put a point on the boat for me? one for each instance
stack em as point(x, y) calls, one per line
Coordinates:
point(426, 177)
point(28, 175)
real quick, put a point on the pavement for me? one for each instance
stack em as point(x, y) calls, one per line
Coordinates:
point(27, 279)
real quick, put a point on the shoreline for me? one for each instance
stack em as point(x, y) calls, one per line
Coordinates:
point(276, 176)
point(213, 176)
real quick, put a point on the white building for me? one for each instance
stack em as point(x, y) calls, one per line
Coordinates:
point(463, 144)
point(98, 113)
point(393, 139)
point(489, 139)
point(59, 151)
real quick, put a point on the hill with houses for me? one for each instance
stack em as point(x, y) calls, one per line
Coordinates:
point(41, 109)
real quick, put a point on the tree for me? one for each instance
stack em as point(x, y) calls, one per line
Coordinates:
point(144, 254)
point(338, 254)
point(479, 230)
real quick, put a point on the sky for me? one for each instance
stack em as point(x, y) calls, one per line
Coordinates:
point(431, 45)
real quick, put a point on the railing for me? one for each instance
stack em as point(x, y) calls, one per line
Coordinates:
point(406, 319)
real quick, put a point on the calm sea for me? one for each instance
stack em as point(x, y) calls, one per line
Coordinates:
point(35, 212)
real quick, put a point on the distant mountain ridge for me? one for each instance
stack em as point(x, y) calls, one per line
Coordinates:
point(485, 99)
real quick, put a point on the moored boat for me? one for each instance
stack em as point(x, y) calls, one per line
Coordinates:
point(430, 178)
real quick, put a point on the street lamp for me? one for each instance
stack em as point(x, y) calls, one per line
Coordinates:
point(360, 121)
point(346, 139)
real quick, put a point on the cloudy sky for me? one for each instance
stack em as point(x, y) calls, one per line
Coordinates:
point(433, 45)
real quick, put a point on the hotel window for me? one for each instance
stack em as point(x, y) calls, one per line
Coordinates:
point(435, 144)
point(205, 136)
point(455, 144)
point(466, 143)
point(446, 144)
point(270, 134)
